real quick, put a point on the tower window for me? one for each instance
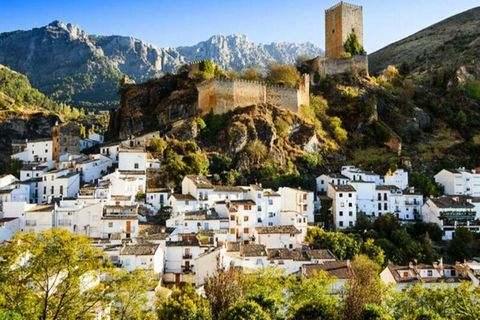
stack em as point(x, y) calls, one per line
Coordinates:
point(333, 30)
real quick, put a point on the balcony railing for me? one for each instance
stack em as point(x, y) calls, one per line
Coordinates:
point(187, 256)
point(31, 223)
point(187, 269)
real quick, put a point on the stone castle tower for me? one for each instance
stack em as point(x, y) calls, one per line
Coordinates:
point(341, 20)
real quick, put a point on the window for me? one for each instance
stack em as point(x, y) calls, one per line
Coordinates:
point(259, 195)
point(385, 197)
point(245, 230)
point(232, 230)
point(350, 204)
point(350, 213)
point(232, 218)
point(53, 190)
point(430, 273)
point(259, 208)
point(379, 197)
point(385, 206)
point(110, 224)
point(44, 189)
point(340, 213)
point(379, 206)
point(321, 182)
point(340, 195)
point(340, 223)
point(270, 202)
point(305, 207)
point(349, 195)
point(304, 196)
point(245, 218)
point(247, 207)
point(61, 190)
point(350, 223)
point(162, 199)
point(28, 174)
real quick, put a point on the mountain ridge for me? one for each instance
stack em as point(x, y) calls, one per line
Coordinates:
point(68, 65)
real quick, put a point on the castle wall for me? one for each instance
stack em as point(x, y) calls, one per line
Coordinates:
point(223, 95)
point(331, 66)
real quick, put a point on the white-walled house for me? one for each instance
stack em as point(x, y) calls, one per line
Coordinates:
point(132, 159)
point(341, 271)
point(58, 184)
point(398, 178)
point(120, 221)
point(298, 200)
point(7, 179)
point(38, 218)
point(199, 187)
point(181, 203)
point(286, 236)
point(366, 201)
point(79, 217)
point(93, 168)
point(450, 212)
point(344, 205)
point(437, 274)
point(356, 174)
point(38, 150)
point(110, 150)
point(30, 171)
point(157, 197)
point(333, 178)
point(459, 182)
point(145, 256)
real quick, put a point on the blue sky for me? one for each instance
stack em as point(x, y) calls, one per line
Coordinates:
point(186, 22)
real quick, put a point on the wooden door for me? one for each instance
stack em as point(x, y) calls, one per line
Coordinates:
point(128, 227)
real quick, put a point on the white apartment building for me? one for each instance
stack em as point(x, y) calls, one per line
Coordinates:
point(157, 197)
point(356, 174)
point(450, 212)
point(334, 178)
point(145, 256)
point(30, 171)
point(398, 178)
point(365, 196)
point(286, 236)
point(38, 150)
point(459, 182)
point(80, 217)
point(200, 188)
point(110, 150)
point(93, 168)
point(132, 159)
point(298, 200)
point(344, 205)
point(58, 183)
point(119, 221)
point(8, 228)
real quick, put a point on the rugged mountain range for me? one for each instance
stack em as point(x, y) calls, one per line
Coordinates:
point(69, 65)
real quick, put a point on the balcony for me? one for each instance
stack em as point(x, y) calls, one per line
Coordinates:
point(187, 256)
point(30, 223)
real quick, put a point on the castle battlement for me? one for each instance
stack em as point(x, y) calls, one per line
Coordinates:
point(222, 94)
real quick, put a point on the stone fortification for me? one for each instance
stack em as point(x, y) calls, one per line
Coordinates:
point(341, 20)
point(321, 67)
point(222, 95)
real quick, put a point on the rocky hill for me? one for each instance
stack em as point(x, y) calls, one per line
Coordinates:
point(69, 65)
point(451, 42)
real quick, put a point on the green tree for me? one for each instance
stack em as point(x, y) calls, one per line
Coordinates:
point(352, 45)
point(47, 275)
point(375, 312)
point(267, 289)
point(252, 74)
point(317, 310)
point(374, 252)
point(365, 288)
point(283, 74)
point(244, 310)
point(223, 289)
point(10, 315)
point(424, 185)
point(206, 69)
point(129, 294)
point(342, 245)
point(462, 245)
point(183, 304)
point(256, 151)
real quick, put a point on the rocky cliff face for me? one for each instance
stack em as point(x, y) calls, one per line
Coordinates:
point(64, 62)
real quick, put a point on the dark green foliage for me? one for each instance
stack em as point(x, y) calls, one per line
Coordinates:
point(214, 123)
point(207, 69)
point(472, 88)
point(424, 185)
point(10, 166)
point(315, 311)
point(352, 45)
point(219, 164)
point(463, 245)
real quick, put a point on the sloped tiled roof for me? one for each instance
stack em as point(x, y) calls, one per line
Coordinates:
point(287, 229)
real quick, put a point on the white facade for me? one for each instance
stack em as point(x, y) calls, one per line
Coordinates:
point(110, 151)
point(298, 200)
point(132, 159)
point(333, 178)
point(40, 150)
point(356, 174)
point(157, 197)
point(344, 205)
point(93, 168)
point(58, 184)
point(142, 256)
point(279, 237)
point(365, 196)
point(459, 182)
point(451, 212)
point(79, 217)
point(398, 178)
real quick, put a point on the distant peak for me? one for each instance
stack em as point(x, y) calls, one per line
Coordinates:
point(72, 29)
